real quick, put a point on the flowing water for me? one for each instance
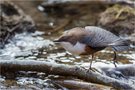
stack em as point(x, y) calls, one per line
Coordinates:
point(39, 46)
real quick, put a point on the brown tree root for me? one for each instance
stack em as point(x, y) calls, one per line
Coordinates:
point(61, 69)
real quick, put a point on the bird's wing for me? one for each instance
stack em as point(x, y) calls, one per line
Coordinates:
point(98, 37)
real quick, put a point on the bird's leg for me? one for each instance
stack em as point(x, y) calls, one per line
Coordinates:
point(90, 67)
point(91, 62)
point(114, 59)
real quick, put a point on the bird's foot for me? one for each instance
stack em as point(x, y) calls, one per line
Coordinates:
point(83, 67)
point(93, 69)
point(90, 69)
point(115, 63)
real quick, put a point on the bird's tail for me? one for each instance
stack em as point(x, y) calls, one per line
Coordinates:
point(121, 45)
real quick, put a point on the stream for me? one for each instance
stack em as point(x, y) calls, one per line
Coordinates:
point(39, 46)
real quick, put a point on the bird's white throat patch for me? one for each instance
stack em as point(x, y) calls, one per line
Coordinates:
point(76, 49)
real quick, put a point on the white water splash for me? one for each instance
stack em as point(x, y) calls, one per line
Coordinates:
point(24, 44)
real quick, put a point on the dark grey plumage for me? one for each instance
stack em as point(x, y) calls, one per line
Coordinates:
point(100, 38)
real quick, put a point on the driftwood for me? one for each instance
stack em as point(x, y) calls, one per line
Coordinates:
point(126, 70)
point(75, 84)
point(61, 69)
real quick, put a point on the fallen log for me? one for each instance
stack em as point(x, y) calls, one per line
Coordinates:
point(62, 69)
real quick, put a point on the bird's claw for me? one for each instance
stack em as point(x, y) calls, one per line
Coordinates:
point(83, 67)
point(90, 69)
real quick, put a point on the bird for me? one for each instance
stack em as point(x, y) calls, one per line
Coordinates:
point(90, 39)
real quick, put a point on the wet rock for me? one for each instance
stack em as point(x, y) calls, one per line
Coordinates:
point(13, 20)
point(124, 73)
point(56, 2)
point(119, 19)
point(71, 7)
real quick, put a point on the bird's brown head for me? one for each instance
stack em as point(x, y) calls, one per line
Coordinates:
point(71, 35)
point(63, 38)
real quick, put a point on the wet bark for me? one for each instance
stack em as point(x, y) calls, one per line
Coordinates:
point(61, 69)
point(75, 84)
point(124, 70)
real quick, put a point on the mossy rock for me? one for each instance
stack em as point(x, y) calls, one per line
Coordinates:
point(119, 19)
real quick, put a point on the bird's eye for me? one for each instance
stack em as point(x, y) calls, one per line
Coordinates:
point(65, 38)
point(65, 32)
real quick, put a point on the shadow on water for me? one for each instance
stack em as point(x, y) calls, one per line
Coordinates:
point(52, 25)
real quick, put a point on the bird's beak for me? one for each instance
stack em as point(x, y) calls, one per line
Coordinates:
point(61, 39)
point(56, 41)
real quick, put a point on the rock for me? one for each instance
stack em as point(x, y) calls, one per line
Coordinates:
point(56, 2)
point(13, 20)
point(119, 19)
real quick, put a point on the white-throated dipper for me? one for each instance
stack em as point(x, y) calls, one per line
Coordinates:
point(89, 40)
